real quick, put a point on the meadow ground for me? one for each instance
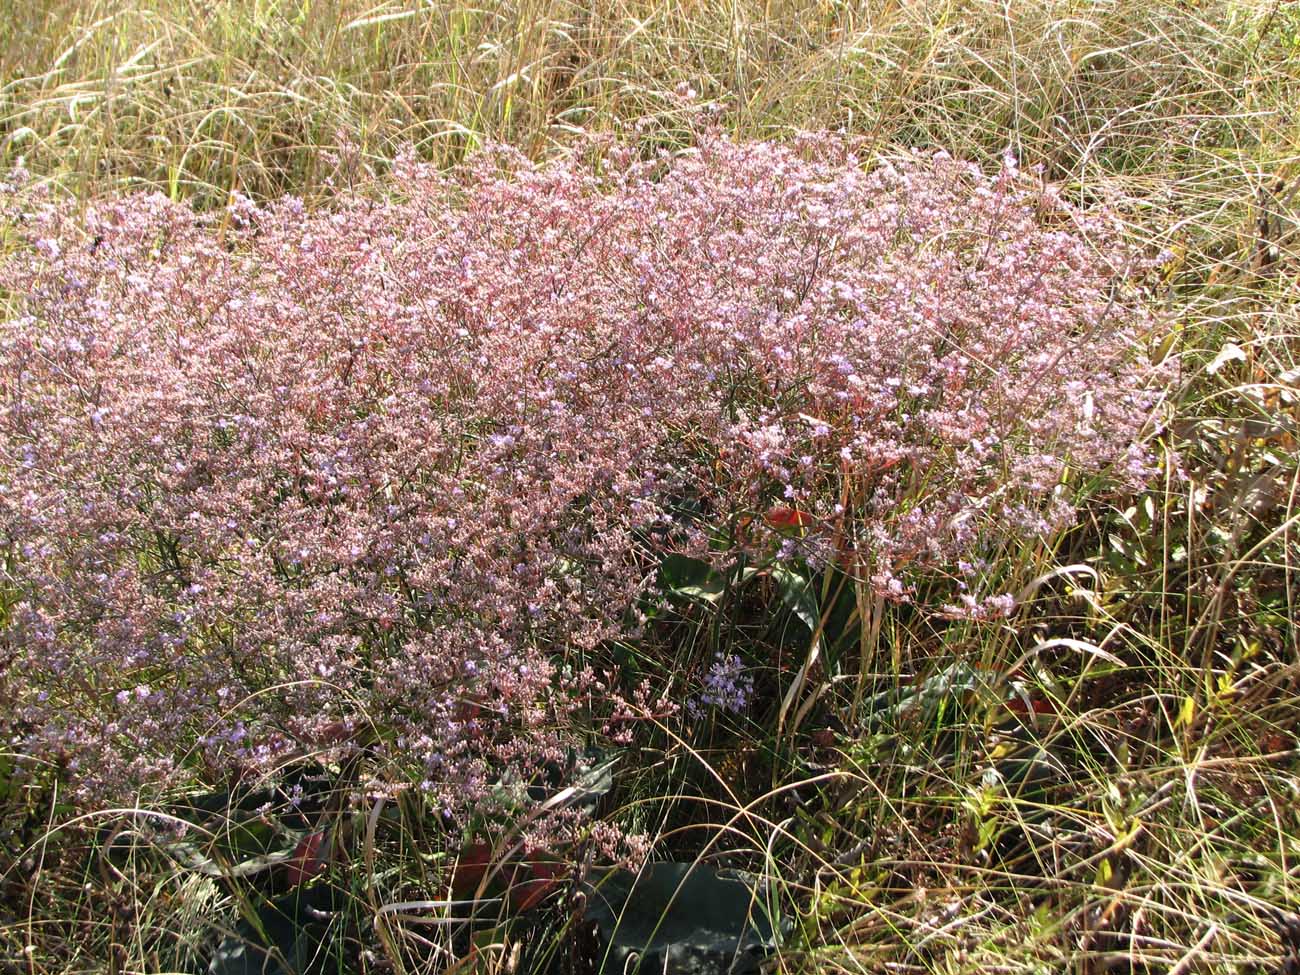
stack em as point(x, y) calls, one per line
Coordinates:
point(1137, 810)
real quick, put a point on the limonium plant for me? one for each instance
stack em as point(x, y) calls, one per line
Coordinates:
point(275, 480)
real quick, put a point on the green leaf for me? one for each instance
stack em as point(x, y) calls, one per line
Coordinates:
point(591, 778)
point(680, 919)
point(284, 937)
point(8, 788)
point(796, 594)
point(690, 579)
point(953, 682)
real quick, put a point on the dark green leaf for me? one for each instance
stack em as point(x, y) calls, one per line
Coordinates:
point(690, 579)
point(680, 919)
point(287, 937)
point(797, 595)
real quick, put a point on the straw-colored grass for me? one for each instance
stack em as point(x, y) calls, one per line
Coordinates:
point(1172, 846)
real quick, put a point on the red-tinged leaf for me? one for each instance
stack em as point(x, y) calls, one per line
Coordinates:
point(473, 864)
point(533, 880)
point(787, 518)
point(1036, 705)
point(469, 709)
point(335, 731)
point(548, 870)
point(306, 862)
point(531, 892)
point(823, 738)
point(1276, 742)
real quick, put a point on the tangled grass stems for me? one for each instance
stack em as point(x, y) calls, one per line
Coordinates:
point(1182, 117)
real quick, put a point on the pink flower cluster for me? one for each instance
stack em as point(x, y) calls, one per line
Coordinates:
point(272, 476)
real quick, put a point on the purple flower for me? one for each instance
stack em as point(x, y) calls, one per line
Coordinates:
point(727, 686)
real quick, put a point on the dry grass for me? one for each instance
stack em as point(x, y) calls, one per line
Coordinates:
point(202, 97)
point(1171, 846)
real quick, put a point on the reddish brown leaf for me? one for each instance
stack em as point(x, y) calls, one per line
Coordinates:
point(787, 518)
point(306, 862)
point(471, 867)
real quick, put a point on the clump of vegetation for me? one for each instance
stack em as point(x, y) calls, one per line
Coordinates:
point(386, 571)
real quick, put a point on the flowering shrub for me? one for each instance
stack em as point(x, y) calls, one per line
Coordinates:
point(270, 476)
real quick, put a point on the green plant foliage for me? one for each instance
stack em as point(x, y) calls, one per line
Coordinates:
point(684, 579)
point(288, 936)
point(680, 919)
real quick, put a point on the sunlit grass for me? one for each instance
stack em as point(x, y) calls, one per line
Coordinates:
point(1146, 819)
